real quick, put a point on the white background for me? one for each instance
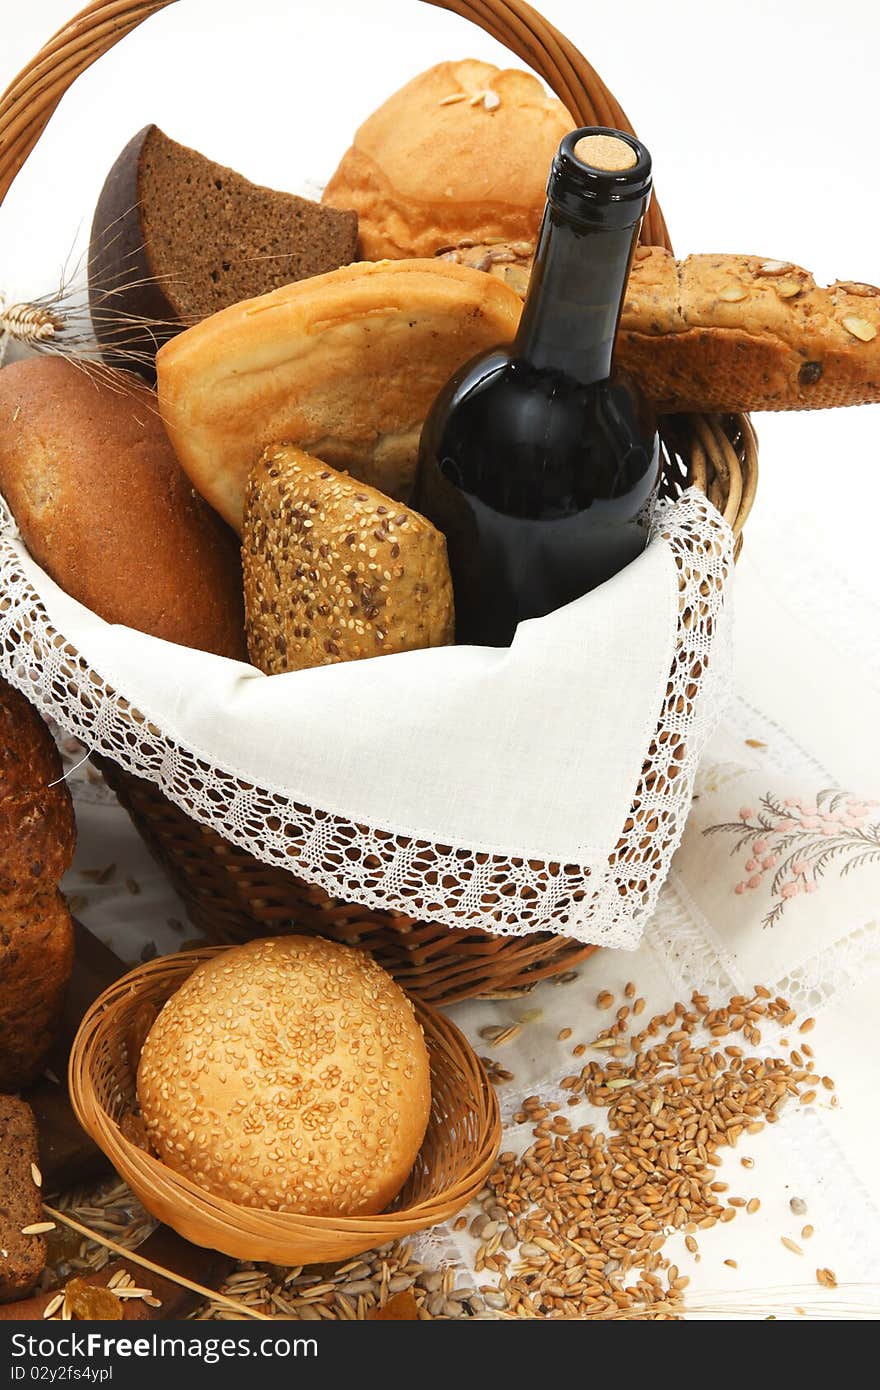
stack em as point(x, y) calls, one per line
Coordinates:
point(763, 125)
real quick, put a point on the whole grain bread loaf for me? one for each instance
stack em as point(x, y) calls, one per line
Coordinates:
point(105, 508)
point(37, 838)
point(22, 1257)
point(176, 237)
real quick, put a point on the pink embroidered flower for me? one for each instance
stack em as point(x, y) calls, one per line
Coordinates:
point(794, 837)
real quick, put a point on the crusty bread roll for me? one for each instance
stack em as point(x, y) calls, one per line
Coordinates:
point(464, 150)
point(345, 366)
point(289, 1074)
point(336, 571)
point(37, 838)
point(726, 333)
point(104, 507)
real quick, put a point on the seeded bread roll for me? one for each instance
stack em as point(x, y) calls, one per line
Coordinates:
point(345, 366)
point(289, 1074)
point(176, 237)
point(22, 1257)
point(336, 571)
point(463, 150)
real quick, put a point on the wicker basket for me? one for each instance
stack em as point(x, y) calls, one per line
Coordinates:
point(229, 895)
point(458, 1152)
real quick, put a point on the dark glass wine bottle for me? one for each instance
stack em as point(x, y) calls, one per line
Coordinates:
point(540, 461)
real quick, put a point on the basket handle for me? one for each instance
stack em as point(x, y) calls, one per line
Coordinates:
point(31, 98)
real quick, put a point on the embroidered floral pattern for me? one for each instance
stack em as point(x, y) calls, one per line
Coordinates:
point(796, 840)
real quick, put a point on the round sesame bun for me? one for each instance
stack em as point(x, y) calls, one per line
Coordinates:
point(288, 1074)
point(464, 150)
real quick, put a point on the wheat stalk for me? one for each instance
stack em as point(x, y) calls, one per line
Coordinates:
point(170, 1274)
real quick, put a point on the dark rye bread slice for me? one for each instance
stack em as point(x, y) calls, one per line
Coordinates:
point(22, 1258)
point(175, 237)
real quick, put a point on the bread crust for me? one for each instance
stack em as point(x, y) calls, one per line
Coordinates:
point(104, 507)
point(344, 366)
point(121, 276)
point(436, 163)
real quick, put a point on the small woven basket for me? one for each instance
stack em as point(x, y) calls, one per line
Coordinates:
point(229, 895)
point(458, 1152)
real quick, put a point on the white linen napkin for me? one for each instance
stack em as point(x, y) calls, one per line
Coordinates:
point(431, 760)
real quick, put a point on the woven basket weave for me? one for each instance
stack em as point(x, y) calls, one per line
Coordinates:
point(456, 1157)
point(229, 895)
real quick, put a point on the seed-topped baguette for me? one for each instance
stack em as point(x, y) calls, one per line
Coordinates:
point(336, 571)
point(725, 333)
point(745, 333)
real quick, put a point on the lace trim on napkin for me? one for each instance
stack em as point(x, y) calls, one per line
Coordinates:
point(379, 869)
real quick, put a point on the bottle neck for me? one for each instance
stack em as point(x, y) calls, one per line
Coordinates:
point(570, 317)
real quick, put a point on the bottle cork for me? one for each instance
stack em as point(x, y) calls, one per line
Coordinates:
point(605, 152)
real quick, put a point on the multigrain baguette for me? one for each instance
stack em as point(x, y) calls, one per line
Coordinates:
point(744, 333)
point(724, 333)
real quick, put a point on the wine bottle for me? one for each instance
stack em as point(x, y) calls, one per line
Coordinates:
point(539, 460)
